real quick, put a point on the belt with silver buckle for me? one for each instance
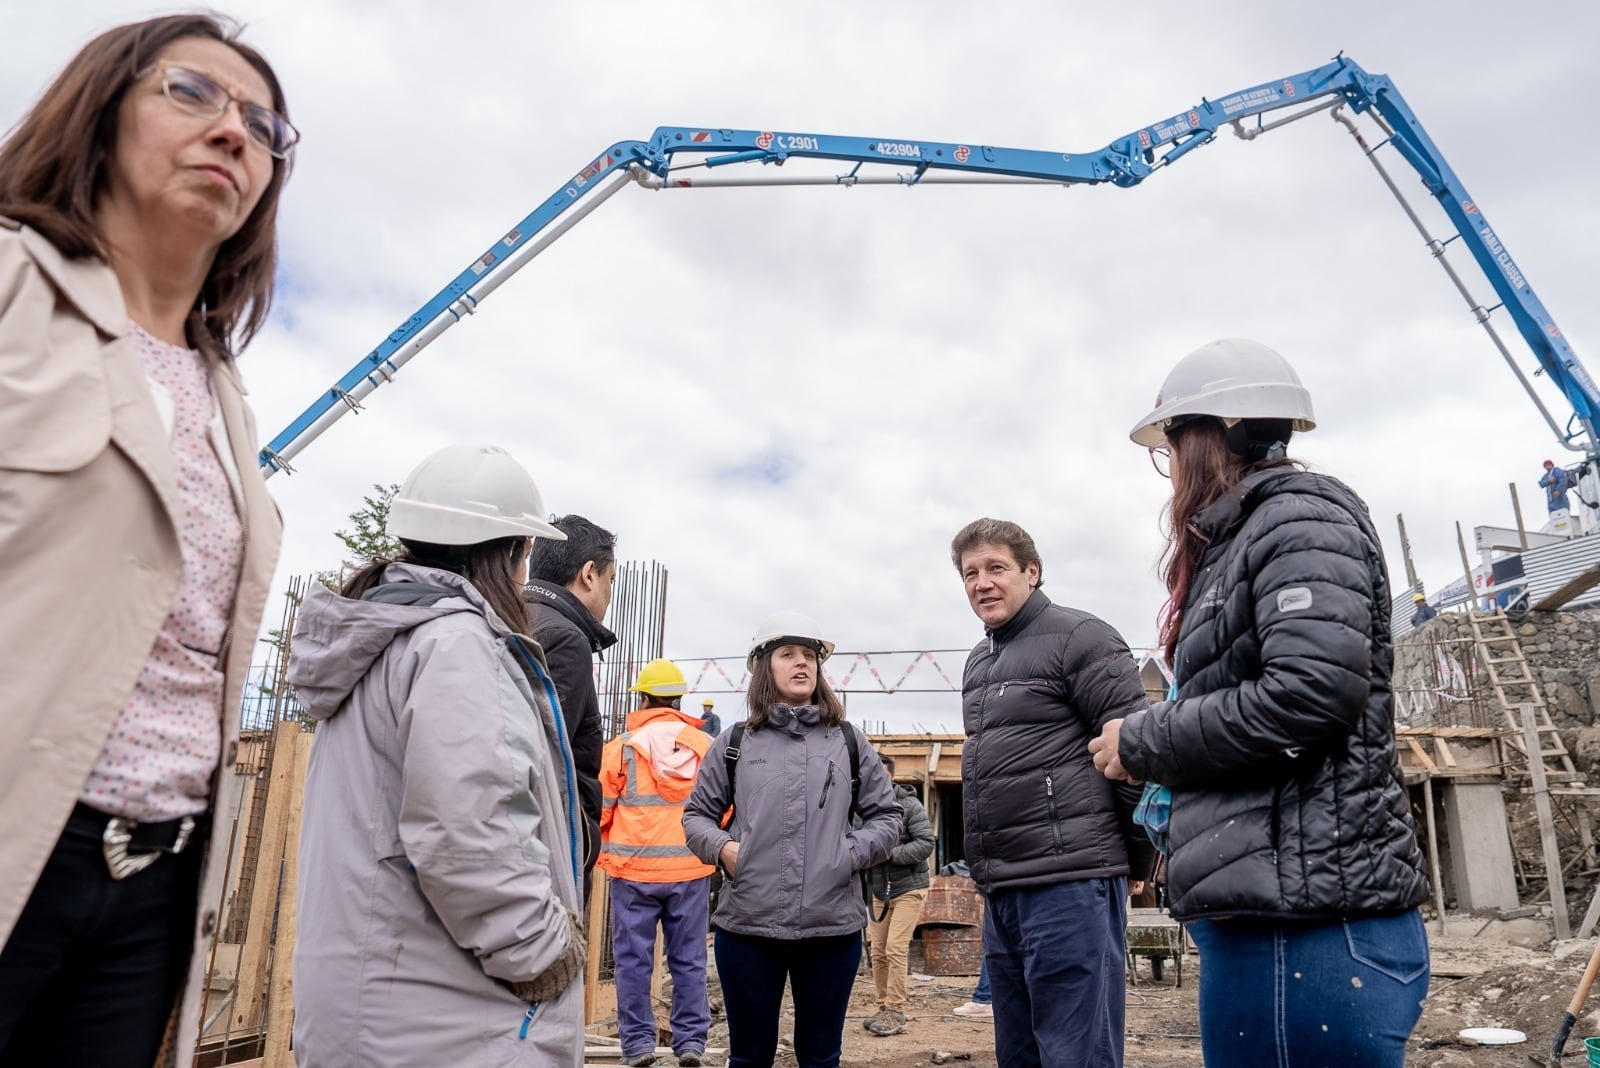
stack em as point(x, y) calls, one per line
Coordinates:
point(130, 846)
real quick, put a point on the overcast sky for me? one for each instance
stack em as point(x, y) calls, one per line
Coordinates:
point(794, 397)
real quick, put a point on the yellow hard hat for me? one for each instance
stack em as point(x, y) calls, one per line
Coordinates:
point(660, 678)
point(1419, 597)
point(708, 702)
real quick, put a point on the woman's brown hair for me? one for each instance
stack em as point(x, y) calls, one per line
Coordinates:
point(53, 170)
point(491, 566)
point(1203, 470)
point(763, 694)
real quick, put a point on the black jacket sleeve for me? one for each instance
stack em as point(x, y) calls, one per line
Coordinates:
point(1106, 686)
point(571, 661)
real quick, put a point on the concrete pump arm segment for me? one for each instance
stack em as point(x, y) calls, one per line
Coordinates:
point(666, 160)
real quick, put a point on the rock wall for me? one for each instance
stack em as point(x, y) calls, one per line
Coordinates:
point(1563, 652)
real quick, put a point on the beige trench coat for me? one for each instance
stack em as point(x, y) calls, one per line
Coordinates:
point(90, 560)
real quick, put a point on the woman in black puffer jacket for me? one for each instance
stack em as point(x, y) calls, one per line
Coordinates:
point(1291, 851)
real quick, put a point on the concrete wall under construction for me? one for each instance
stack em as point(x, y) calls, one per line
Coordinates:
point(1481, 868)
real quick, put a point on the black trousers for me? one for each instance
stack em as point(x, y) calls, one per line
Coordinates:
point(94, 965)
point(820, 972)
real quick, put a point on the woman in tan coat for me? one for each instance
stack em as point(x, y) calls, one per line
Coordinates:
point(138, 201)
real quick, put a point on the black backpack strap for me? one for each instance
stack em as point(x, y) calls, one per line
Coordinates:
point(852, 743)
point(730, 756)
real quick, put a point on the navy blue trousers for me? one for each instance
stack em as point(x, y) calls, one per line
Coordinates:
point(820, 971)
point(680, 909)
point(1308, 995)
point(1057, 964)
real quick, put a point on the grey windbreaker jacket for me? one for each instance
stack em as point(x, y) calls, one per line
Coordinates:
point(436, 844)
point(798, 856)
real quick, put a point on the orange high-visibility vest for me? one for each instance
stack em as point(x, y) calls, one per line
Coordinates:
point(646, 775)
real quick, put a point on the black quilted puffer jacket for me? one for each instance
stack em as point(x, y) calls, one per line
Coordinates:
point(1033, 694)
point(1287, 800)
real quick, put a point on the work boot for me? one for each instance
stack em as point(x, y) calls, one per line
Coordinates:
point(691, 1058)
point(638, 1060)
point(888, 1022)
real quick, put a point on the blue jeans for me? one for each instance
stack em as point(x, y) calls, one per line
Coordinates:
point(980, 993)
point(1057, 965)
point(680, 908)
point(1308, 995)
point(820, 971)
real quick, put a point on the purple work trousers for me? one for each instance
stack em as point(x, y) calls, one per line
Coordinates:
point(682, 911)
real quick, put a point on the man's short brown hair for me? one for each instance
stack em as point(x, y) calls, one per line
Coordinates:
point(997, 532)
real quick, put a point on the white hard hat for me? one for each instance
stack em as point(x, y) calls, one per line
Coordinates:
point(1231, 379)
point(788, 628)
point(467, 494)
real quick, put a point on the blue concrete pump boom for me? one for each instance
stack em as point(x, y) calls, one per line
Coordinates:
point(660, 163)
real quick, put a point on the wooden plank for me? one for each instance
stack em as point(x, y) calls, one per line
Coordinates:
point(280, 996)
point(1433, 852)
point(595, 929)
point(1547, 828)
point(1446, 756)
point(1591, 914)
point(1422, 757)
point(249, 1001)
point(1580, 583)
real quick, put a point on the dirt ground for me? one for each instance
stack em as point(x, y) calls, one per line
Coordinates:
point(1486, 973)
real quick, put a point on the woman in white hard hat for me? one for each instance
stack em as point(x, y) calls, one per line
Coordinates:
point(438, 853)
point(796, 776)
point(1291, 852)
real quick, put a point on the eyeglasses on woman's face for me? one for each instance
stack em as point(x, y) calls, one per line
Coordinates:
point(194, 93)
point(1161, 459)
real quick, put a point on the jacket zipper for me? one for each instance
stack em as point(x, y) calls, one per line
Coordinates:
point(1055, 820)
point(826, 786)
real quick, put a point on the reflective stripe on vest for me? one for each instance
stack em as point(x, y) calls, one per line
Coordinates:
point(622, 849)
point(630, 785)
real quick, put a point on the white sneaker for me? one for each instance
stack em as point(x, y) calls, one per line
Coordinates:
point(973, 1008)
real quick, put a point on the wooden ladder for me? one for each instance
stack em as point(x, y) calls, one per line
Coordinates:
point(1514, 686)
point(1552, 775)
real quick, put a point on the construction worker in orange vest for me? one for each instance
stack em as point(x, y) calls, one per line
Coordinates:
point(646, 775)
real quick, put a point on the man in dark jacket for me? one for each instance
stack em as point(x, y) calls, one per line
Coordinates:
point(568, 592)
point(1050, 847)
point(899, 887)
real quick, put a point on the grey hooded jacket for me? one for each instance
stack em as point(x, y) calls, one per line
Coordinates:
point(436, 858)
point(798, 856)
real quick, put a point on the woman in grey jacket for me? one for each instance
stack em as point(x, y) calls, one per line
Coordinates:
point(439, 889)
point(791, 906)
